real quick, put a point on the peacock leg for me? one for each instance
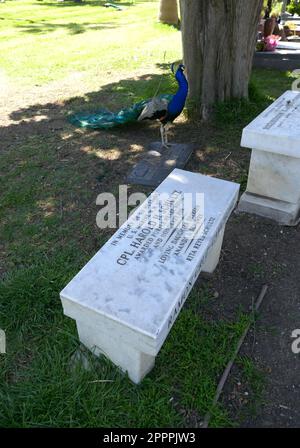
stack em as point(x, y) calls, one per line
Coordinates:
point(163, 136)
point(162, 133)
point(166, 130)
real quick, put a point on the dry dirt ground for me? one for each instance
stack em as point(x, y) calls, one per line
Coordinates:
point(255, 251)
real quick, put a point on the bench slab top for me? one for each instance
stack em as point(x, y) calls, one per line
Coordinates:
point(142, 275)
point(277, 129)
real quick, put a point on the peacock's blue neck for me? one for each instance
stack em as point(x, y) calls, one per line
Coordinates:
point(177, 103)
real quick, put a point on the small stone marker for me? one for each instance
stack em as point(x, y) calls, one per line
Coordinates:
point(291, 46)
point(159, 162)
point(127, 297)
point(273, 189)
point(280, 59)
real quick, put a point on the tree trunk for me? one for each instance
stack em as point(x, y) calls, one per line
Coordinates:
point(284, 6)
point(219, 38)
point(168, 12)
point(270, 5)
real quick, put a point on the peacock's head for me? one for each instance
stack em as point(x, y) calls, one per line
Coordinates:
point(180, 68)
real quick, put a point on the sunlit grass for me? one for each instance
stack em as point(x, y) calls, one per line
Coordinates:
point(41, 42)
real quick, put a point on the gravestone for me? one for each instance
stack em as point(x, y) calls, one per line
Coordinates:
point(159, 162)
point(291, 46)
point(128, 296)
point(273, 189)
point(280, 59)
point(289, 18)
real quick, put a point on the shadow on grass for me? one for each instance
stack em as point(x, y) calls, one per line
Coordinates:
point(42, 26)
point(57, 170)
point(55, 166)
point(125, 92)
point(72, 28)
point(115, 151)
point(95, 3)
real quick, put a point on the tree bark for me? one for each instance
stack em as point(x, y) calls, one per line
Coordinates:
point(168, 12)
point(270, 5)
point(284, 6)
point(219, 38)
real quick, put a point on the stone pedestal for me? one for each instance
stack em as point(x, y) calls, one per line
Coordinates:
point(273, 189)
point(132, 360)
point(128, 296)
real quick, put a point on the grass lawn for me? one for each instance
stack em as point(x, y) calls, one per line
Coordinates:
point(50, 176)
point(45, 41)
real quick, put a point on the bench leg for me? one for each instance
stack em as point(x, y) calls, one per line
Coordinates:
point(214, 253)
point(137, 364)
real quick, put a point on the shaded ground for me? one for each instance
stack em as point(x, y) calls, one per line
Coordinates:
point(255, 251)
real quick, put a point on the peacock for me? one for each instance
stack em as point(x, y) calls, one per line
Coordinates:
point(164, 108)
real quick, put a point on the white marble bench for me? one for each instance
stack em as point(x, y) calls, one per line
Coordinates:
point(126, 299)
point(273, 189)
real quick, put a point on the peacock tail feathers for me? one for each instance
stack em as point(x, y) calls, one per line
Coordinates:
point(104, 119)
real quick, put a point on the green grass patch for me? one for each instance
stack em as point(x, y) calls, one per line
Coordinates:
point(81, 38)
point(39, 386)
point(264, 88)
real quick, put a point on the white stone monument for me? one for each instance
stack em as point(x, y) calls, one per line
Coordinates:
point(127, 297)
point(273, 189)
point(289, 46)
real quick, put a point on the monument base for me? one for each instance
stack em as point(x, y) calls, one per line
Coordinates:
point(129, 359)
point(282, 60)
point(159, 162)
point(284, 213)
